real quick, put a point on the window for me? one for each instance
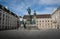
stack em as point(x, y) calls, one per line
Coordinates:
point(55, 26)
point(51, 27)
point(42, 21)
point(37, 24)
point(43, 26)
point(0, 18)
point(0, 22)
point(3, 15)
point(40, 24)
point(0, 25)
point(51, 23)
point(3, 22)
point(0, 13)
point(0, 10)
point(48, 23)
point(37, 21)
point(3, 18)
point(51, 20)
point(48, 20)
point(6, 18)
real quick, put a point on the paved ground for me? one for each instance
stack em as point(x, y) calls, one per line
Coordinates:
point(30, 34)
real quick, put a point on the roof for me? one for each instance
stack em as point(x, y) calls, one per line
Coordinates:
point(27, 16)
point(44, 16)
point(38, 16)
point(56, 10)
point(20, 16)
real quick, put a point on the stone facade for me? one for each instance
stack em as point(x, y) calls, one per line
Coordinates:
point(44, 23)
point(56, 18)
point(8, 19)
point(47, 21)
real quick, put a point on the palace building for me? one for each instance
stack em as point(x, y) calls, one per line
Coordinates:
point(45, 21)
point(56, 18)
point(8, 20)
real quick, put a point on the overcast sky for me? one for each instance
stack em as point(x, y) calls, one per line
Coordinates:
point(19, 7)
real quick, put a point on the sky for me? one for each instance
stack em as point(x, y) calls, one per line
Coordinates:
point(19, 7)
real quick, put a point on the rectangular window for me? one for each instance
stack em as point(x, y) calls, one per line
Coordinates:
point(40, 24)
point(3, 19)
point(0, 13)
point(42, 21)
point(3, 15)
point(55, 26)
point(48, 20)
point(51, 20)
point(37, 21)
point(0, 10)
point(0, 25)
point(0, 21)
point(3, 22)
point(43, 26)
point(0, 18)
point(48, 23)
point(51, 23)
point(37, 24)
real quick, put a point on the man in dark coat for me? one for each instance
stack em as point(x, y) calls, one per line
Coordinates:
point(24, 24)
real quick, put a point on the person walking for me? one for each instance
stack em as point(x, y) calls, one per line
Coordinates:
point(24, 24)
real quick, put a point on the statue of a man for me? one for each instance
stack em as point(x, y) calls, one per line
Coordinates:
point(29, 10)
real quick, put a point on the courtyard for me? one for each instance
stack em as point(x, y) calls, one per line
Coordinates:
point(30, 34)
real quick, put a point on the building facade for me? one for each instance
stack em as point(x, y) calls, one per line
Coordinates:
point(8, 20)
point(42, 21)
point(46, 21)
point(30, 26)
point(56, 18)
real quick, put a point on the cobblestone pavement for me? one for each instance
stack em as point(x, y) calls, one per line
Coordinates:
point(30, 34)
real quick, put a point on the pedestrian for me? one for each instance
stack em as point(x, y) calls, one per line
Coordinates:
point(24, 24)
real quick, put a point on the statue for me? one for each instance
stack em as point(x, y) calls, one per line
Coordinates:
point(34, 12)
point(29, 12)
